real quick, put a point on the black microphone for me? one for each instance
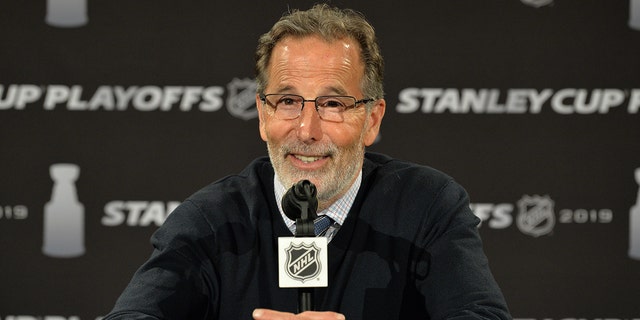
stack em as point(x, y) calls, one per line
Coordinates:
point(300, 204)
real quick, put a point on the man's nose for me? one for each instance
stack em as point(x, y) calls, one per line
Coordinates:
point(310, 125)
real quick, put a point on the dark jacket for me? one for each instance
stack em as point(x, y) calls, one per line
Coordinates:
point(409, 249)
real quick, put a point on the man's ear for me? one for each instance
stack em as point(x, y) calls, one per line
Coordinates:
point(261, 123)
point(374, 122)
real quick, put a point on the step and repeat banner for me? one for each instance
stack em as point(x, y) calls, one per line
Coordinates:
point(113, 112)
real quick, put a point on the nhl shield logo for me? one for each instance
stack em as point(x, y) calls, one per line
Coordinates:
point(536, 216)
point(241, 99)
point(302, 261)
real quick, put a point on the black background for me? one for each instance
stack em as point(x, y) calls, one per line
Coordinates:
point(579, 270)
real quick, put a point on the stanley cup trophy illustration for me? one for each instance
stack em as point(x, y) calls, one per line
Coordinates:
point(66, 13)
point(634, 224)
point(64, 215)
point(634, 14)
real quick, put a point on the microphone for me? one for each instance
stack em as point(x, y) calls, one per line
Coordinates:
point(300, 204)
point(302, 259)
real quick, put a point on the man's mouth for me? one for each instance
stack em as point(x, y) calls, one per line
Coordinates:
point(307, 159)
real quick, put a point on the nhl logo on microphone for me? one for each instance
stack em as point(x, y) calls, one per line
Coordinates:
point(302, 262)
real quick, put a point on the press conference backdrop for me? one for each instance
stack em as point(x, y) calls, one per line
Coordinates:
point(113, 112)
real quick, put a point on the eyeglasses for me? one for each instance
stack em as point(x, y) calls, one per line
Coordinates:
point(330, 108)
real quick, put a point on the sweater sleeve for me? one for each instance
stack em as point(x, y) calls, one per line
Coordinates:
point(177, 281)
point(452, 271)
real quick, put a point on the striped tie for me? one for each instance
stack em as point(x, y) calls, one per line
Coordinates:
point(321, 224)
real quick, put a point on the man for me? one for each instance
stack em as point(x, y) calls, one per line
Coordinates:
point(404, 243)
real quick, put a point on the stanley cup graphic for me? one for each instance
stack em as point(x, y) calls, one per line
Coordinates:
point(64, 215)
point(634, 14)
point(634, 224)
point(66, 13)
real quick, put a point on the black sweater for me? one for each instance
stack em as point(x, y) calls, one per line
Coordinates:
point(409, 249)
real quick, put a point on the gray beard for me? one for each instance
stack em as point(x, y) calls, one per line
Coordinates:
point(333, 183)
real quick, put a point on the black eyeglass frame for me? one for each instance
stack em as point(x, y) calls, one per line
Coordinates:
point(263, 98)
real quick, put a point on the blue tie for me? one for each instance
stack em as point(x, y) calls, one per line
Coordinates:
point(321, 224)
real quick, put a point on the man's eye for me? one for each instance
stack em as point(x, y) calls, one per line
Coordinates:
point(332, 104)
point(287, 101)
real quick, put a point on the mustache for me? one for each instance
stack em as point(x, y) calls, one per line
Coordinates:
point(327, 149)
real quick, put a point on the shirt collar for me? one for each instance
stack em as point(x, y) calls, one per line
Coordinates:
point(337, 211)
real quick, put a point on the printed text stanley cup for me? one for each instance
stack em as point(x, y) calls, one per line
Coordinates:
point(64, 215)
point(634, 224)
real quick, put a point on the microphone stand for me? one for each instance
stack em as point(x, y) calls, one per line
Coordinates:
point(304, 228)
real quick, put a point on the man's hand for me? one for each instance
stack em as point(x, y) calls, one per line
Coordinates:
point(266, 314)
